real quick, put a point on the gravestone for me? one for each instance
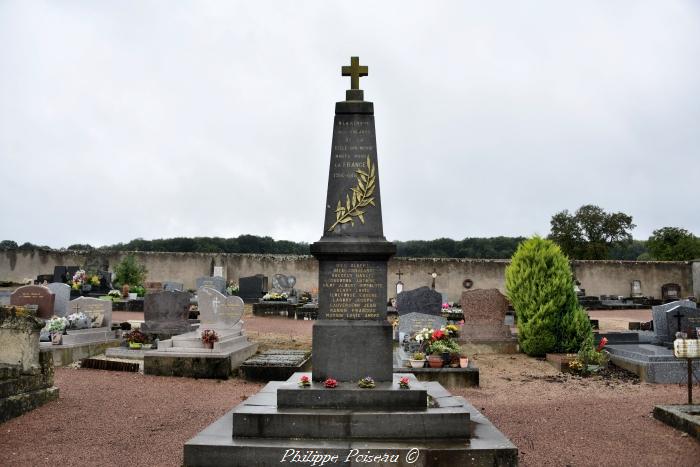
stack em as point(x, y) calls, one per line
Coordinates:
point(351, 337)
point(99, 311)
point(217, 283)
point(35, 295)
point(670, 292)
point(60, 274)
point(420, 300)
point(283, 284)
point(217, 310)
point(636, 288)
point(252, 288)
point(169, 285)
point(666, 324)
point(484, 315)
point(410, 323)
point(218, 271)
point(5, 297)
point(153, 286)
point(166, 313)
point(62, 293)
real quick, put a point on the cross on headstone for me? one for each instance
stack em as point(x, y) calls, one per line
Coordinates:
point(354, 71)
point(399, 284)
point(678, 316)
point(434, 275)
point(76, 307)
point(216, 302)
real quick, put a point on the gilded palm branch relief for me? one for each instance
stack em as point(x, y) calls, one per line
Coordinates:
point(361, 198)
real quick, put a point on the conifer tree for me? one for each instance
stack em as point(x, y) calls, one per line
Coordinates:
point(540, 286)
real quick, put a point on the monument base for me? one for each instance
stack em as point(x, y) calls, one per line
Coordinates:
point(352, 350)
point(448, 432)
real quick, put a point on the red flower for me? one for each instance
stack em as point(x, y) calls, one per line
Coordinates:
point(437, 335)
point(603, 341)
point(305, 379)
point(330, 383)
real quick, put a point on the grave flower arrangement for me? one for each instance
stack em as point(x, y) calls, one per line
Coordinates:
point(275, 297)
point(80, 278)
point(435, 341)
point(330, 383)
point(589, 359)
point(209, 336)
point(304, 382)
point(135, 338)
point(114, 295)
point(403, 383)
point(366, 383)
point(95, 280)
point(232, 288)
point(56, 324)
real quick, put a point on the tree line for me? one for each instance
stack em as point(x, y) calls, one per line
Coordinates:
point(588, 233)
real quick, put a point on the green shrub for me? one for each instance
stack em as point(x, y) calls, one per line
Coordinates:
point(130, 272)
point(540, 286)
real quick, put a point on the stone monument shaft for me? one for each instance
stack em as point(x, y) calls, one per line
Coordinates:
point(351, 338)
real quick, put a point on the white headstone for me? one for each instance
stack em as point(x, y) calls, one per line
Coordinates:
point(99, 311)
point(217, 310)
point(62, 293)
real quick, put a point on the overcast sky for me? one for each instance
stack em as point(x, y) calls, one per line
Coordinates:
point(145, 119)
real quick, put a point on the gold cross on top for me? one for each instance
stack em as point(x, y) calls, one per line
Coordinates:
point(354, 71)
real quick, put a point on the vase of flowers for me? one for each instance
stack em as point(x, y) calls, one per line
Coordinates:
point(135, 339)
point(209, 336)
point(418, 360)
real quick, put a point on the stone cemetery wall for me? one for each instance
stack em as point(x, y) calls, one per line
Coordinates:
point(597, 277)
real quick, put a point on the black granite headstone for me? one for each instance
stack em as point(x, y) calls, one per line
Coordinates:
point(166, 313)
point(352, 338)
point(421, 300)
point(252, 288)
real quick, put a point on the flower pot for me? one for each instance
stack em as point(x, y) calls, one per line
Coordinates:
point(435, 361)
point(135, 345)
point(417, 363)
point(56, 338)
point(147, 346)
point(463, 362)
point(208, 345)
point(445, 358)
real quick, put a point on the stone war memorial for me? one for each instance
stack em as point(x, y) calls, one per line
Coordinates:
point(351, 409)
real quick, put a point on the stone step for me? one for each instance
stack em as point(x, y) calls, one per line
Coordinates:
point(266, 421)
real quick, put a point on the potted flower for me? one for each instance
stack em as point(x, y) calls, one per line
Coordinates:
point(435, 360)
point(56, 327)
point(304, 382)
point(135, 339)
point(418, 360)
point(366, 383)
point(330, 383)
point(404, 383)
point(209, 336)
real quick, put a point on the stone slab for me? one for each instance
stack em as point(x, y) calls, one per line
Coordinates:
point(681, 417)
point(18, 404)
point(275, 365)
point(652, 363)
point(67, 354)
point(386, 396)
point(214, 446)
point(124, 353)
point(219, 365)
point(61, 292)
point(352, 350)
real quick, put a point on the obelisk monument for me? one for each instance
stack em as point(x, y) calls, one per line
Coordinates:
point(352, 338)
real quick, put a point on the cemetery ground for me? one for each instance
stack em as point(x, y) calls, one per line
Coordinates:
point(113, 418)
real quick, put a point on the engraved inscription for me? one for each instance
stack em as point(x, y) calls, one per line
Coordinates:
point(354, 290)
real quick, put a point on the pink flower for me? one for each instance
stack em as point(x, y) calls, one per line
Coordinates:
point(330, 383)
